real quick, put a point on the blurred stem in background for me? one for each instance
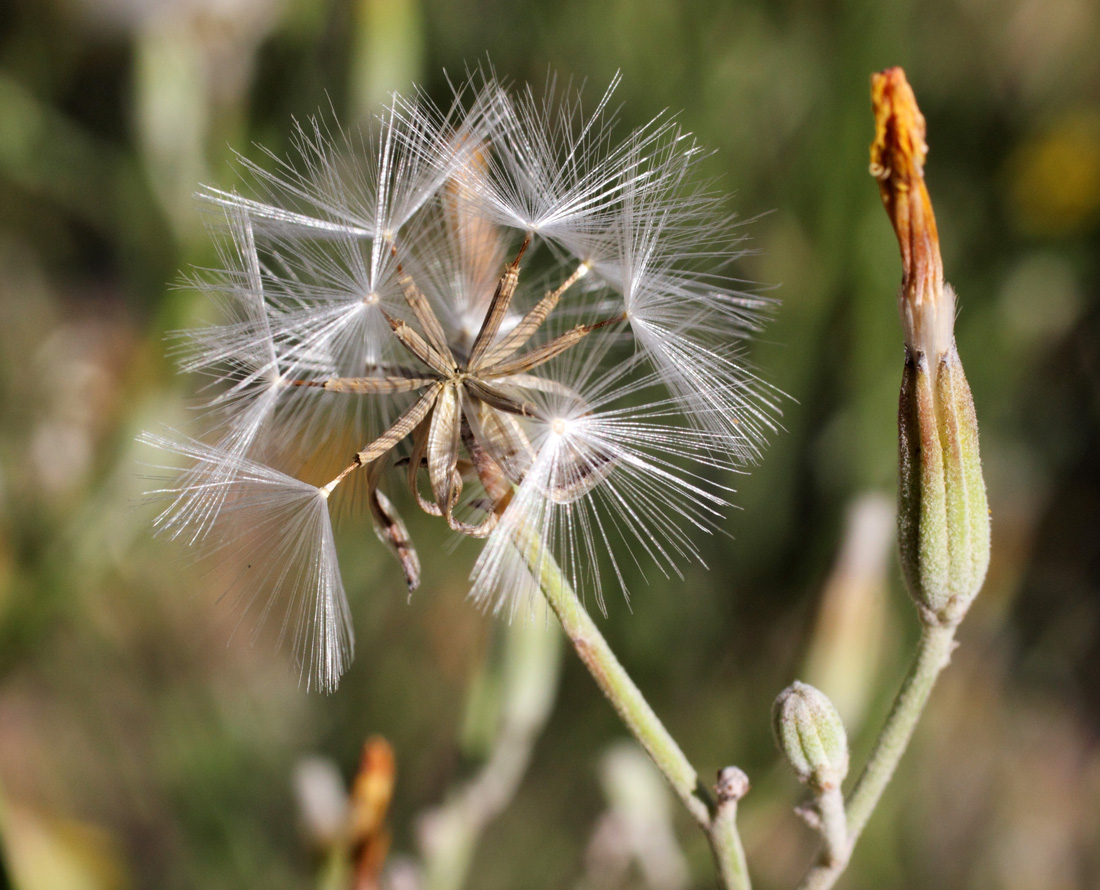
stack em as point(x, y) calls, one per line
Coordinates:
point(524, 686)
point(637, 827)
point(5, 878)
point(388, 53)
point(55, 159)
point(173, 120)
point(844, 657)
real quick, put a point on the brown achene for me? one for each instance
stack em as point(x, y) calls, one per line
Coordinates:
point(468, 402)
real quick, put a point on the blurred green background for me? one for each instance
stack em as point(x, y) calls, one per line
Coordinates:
point(139, 750)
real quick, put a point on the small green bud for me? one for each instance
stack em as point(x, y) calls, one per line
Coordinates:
point(943, 517)
point(811, 736)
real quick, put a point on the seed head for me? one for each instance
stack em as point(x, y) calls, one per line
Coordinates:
point(526, 319)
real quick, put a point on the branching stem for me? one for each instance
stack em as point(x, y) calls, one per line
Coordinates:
point(933, 654)
point(717, 821)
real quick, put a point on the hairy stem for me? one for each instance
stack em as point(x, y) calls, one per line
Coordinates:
point(716, 820)
point(834, 830)
point(729, 853)
point(933, 654)
point(615, 683)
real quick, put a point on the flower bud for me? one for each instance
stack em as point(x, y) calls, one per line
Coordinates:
point(811, 736)
point(943, 517)
point(732, 784)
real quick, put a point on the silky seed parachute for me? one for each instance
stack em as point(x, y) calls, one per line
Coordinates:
point(530, 324)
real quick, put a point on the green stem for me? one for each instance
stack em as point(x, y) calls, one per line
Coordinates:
point(933, 654)
point(729, 853)
point(718, 820)
point(834, 830)
point(615, 683)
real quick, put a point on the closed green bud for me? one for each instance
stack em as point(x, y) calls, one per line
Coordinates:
point(811, 736)
point(943, 517)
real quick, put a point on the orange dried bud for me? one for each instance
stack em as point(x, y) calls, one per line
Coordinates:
point(371, 793)
point(926, 304)
point(943, 517)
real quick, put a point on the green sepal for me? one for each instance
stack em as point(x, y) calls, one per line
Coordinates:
point(943, 515)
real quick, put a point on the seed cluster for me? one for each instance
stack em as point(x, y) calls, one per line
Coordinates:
point(501, 295)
